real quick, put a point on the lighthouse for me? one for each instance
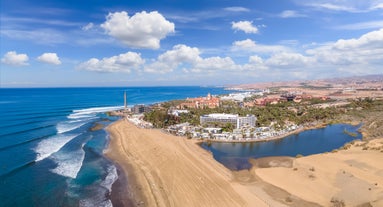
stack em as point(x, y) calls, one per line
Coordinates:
point(125, 102)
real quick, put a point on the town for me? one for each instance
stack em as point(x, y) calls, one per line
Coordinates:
point(252, 114)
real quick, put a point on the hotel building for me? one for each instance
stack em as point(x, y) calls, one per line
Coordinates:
point(237, 121)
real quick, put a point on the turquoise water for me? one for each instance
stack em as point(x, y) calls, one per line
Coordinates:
point(235, 156)
point(48, 155)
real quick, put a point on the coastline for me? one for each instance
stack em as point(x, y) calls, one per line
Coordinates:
point(155, 164)
point(296, 131)
point(120, 195)
point(261, 140)
point(126, 182)
point(165, 170)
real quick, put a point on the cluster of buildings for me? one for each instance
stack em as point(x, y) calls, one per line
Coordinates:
point(240, 97)
point(215, 126)
point(237, 121)
point(140, 108)
point(138, 120)
point(201, 102)
point(283, 98)
point(242, 134)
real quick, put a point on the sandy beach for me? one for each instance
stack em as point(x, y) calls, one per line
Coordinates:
point(353, 176)
point(172, 171)
point(165, 170)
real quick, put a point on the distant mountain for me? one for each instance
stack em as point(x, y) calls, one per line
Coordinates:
point(375, 81)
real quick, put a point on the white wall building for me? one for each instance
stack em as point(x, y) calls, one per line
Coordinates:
point(237, 121)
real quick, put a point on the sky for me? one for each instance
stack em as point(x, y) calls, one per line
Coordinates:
point(55, 43)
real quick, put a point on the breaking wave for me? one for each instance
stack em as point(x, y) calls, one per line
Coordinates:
point(68, 164)
point(48, 146)
point(67, 126)
point(90, 112)
point(110, 178)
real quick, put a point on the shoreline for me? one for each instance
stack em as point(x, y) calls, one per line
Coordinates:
point(172, 171)
point(127, 183)
point(260, 140)
point(282, 136)
point(119, 194)
point(166, 170)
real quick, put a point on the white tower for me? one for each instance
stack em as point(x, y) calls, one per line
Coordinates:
point(125, 102)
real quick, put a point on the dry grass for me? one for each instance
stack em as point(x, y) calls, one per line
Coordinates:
point(337, 202)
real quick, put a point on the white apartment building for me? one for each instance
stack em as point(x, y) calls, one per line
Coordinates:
point(237, 121)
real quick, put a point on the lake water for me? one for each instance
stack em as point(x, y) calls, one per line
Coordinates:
point(235, 156)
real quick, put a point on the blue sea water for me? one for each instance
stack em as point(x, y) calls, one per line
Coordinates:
point(235, 156)
point(48, 155)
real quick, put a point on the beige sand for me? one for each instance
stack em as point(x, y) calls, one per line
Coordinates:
point(173, 171)
point(354, 176)
point(165, 170)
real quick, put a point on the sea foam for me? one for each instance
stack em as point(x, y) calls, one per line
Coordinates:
point(68, 164)
point(48, 146)
point(63, 127)
point(95, 202)
point(90, 112)
point(110, 178)
point(99, 199)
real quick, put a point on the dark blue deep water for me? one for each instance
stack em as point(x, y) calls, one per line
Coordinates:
point(48, 155)
point(235, 156)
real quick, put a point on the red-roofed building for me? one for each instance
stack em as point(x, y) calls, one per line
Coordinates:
point(201, 102)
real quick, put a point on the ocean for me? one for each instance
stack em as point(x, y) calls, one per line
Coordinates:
point(48, 154)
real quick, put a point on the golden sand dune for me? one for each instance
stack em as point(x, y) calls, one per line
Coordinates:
point(165, 170)
point(353, 176)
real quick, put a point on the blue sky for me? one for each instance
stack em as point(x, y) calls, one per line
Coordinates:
point(214, 42)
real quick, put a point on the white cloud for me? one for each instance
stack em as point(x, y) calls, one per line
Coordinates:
point(362, 55)
point(142, 30)
point(352, 6)
point(284, 60)
point(255, 59)
point(170, 60)
point(215, 63)
point(255, 63)
point(363, 52)
point(121, 63)
point(40, 36)
point(370, 40)
point(249, 45)
point(236, 9)
point(335, 7)
point(290, 14)
point(12, 58)
point(188, 59)
point(362, 25)
point(246, 26)
point(377, 5)
point(50, 58)
point(88, 26)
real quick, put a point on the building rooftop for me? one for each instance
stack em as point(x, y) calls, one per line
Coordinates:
point(222, 116)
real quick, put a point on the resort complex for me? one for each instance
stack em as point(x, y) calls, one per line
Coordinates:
point(191, 103)
point(237, 121)
point(253, 114)
point(260, 115)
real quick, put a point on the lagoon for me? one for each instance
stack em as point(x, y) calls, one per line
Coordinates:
point(235, 156)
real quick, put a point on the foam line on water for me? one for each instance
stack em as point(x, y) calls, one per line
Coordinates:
point(110, 178)
point(48, 146)
point(89, 112)
point(94, 202)
point(68, 164)
point(67, 126)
